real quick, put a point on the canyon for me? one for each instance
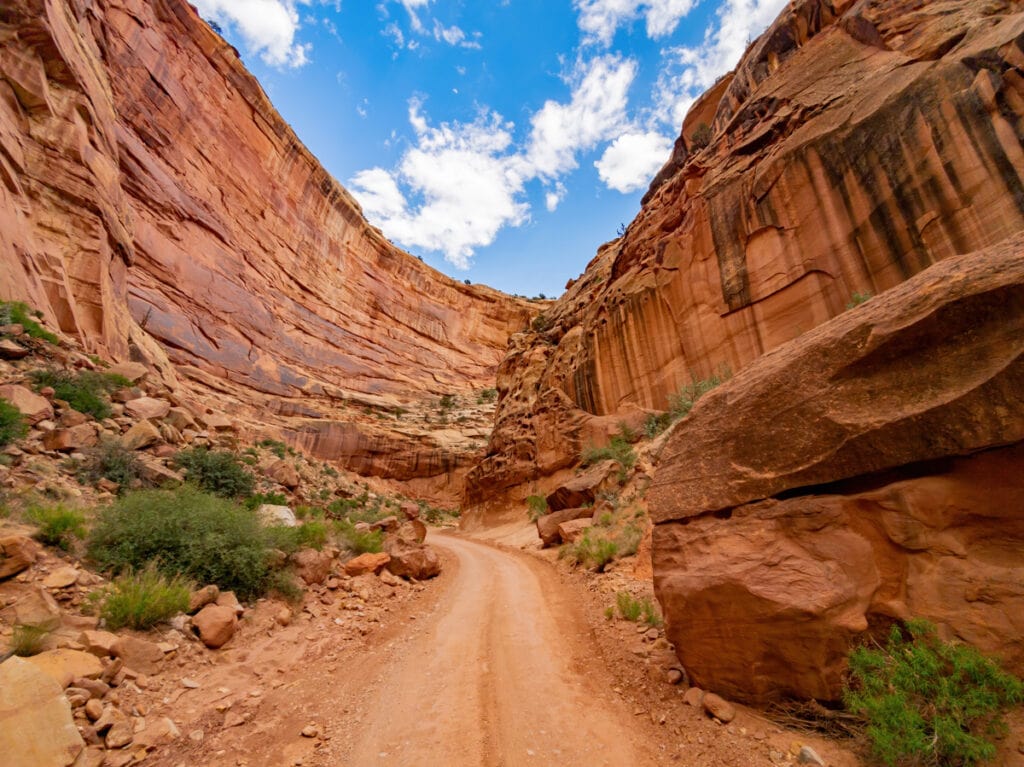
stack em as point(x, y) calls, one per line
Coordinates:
point(836, 236)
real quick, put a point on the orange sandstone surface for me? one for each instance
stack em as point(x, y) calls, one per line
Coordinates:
point(155, 206)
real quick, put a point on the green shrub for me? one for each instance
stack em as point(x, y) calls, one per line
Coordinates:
point(271, 499)
point(618, 450)
point(681, 403)
point(187, 532)
point(277, 448)
point(284, 584)
point(858, 298)
point(651, 615)
point(85, 391)
point(487, 395)
point(541, 323)
point(110, 459)
point(58, 525)
point(629, 607)
point(701, 136)
point(216, 471)
point(358, 509)
point(12, 423)
point(143, 599)
point(312, 535)
point(656, 423)
point(28, 639)
point(629, 539)
point(927, 701)
point(360, 541)
point(537, 506)
point(591, 550)
point(17, 313)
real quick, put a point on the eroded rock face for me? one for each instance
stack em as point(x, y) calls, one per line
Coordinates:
point(871, 471)
point(155, 206)
point(855, 145)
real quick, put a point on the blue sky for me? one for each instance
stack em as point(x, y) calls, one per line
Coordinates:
point(501, 141)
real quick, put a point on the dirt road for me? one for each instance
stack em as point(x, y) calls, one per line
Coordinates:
point(500, 674)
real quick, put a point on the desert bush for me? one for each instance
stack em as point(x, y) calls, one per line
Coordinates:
point(186, 532)
point(652, 617)
point(17, 313)
point(656, 423)
point(28, 639)
point(629, 539)
point(311, 535)
point(140, 600)
point(536, 507)
point(927, 701)
point(487, 395)
point(358, 509)
point(216, 471)
point(86, 391)
point(359, 541)
point(858, 298)
point(285, 585)
point(629, 606)
point(701, 136)
point(110, 459)
point(12, 423)
point(58, 525)
point(278, 448)
point(271, 499)
point(682, 402)
point(618, 449)
point(591, 550)
point(541, 323)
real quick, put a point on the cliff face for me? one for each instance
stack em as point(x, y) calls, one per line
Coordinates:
point(855, 145)
point(154, 205)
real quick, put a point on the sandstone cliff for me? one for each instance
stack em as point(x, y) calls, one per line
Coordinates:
point(155, 206)
point(855, 145)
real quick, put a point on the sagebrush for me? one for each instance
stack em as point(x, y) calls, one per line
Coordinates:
point(217, 471)
point(86, 391)
point(141, 600)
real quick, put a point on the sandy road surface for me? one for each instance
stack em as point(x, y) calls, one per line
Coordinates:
point(500, 674)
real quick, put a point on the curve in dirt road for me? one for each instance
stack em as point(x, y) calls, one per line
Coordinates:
point(501, 675)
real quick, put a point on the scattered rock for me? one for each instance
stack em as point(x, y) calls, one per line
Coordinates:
point(70, 440)
point(367, 563)
point(189, 684)
point(37, 608)
point(61, 578)
point(694, 697)
point(228, 599)
point(34, 407)
point(138, 654)
point(202, 597)
point(11, 350)
point(410, 510)
point(93, 709)
point(279, 516)
point(411, 531)
point(808, 755)
point(312, 566)
point(547, 525)
point(719, 708)
point(142, 435)
point(310, 731)
point(675, 676)
point(16, 554)
point(120, 734)
point(215, 624)
point(283, 473)
point(38, 730)
point(160, 733)
point(99, 643)
point(386, 525)
point(419, 562)
point(580, 490)
point(147, 407)
point(64, 665)
point(573, 529)
point(180, 419)
point(133, 371)
point(283, 617)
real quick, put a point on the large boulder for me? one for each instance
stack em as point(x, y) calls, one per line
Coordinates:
point(277, 516)
point(312, 566)
point(871, 470)
point(17, 553)
point(71, 440)
point(147, 407)
point(547, 525)
point(37, 730)
point(65, 665)
point(215, 625)
point(369, 562)
point(410, 561)
point(581, 489)
point(30, 404)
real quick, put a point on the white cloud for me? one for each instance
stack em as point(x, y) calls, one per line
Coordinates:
point(463, 182)
point(267, 27)
point(688, 71)
point(599, 20)
point(630, 162)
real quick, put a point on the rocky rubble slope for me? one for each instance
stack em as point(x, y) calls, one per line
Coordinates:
point(157, 209)
point(855, 145)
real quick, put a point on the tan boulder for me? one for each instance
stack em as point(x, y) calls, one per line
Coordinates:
point(12, 350)
point(283, 472)
point(62, 578)
point(215, 625)
point(217, 422)
point(411, 531)
point(147, 408)
point(228, 599)
point(718, 707)
point(311, 565)
point(281, 516)
point(202, 597)
point(419, 562)
point(547, 525)
point(99, 643)
point(573, 529)
point(17, 553)
point(142, 435)
point(386, 524)
point(138, 654)
point(133, 371)
point(580, 490)
point(367, 563)
point(64, 665)
point(35, 608)
point(38, 730)
point(180, 419)
point(160, 733)
point(72, 439)
point(30, 404)
point(410, 510)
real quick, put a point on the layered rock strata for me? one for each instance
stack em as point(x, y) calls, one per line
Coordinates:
point(887, 483)
point(855, 145)
point(156, 207)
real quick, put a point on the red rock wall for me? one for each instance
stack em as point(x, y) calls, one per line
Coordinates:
point(855, 145)
point(155, 206)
